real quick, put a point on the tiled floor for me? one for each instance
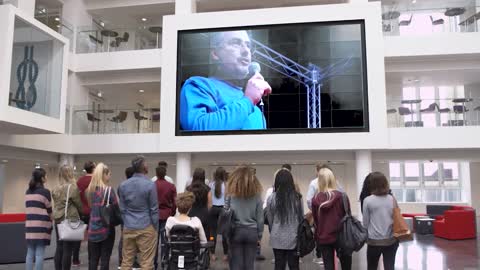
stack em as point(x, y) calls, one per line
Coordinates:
point(424, 253)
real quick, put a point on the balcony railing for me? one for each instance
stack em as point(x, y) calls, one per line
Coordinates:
point(53, 19)
point(433, 112)
point(102, 39)
point(114, 120)
point(414, 22)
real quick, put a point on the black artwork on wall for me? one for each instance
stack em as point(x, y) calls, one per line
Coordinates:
point(28, 68)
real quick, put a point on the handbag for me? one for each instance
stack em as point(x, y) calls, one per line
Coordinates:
point(109, 213)
point(401, 231)
point(71, 230)
point(226, 220)
point(352, 235)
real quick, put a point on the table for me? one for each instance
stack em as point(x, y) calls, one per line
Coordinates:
point(463, 101)
point(424, 225)
point(156, 30)
point(390, 15)
point(109, 34)
point(411, 102)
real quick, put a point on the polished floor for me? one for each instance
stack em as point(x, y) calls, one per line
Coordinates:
point(424, 253)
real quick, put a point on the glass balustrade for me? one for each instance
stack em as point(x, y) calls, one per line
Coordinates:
point(420, 22)
point(112, 39)
point(114, 120)
point(433, 112)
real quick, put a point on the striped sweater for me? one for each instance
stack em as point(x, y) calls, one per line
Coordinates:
point(38, 225)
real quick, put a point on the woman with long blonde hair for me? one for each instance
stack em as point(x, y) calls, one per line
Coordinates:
point(244, 198)
point(63, 252)
point(101, 236)
point(328, 211)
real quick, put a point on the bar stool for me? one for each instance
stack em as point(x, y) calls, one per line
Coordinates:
point(139, 119)
point(94, 120)
point(118, 119)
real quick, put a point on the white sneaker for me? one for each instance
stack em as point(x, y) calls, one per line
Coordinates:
point(318, 261)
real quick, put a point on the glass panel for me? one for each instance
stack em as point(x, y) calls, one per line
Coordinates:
point(412, 174)
point(398, 193)
point(433, 195)
point(36, 77)
point(413, 195)
point(430, 174)
point(453, 195)
point(395, 176)
point(450, 174)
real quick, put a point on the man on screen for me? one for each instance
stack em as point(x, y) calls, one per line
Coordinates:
point(224, 101)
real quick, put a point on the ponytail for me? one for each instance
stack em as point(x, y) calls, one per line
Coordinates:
point(37, 178)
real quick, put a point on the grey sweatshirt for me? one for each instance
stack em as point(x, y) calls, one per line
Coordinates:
point(248, 212)
point(378, 219)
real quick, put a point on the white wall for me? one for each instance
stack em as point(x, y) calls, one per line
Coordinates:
point(374, 139)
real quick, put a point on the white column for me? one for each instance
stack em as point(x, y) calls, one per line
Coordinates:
point(184, 168)
point(27, 6)
point(363, 166)
point(3, 179)
point(65, 159)
point(185, 6)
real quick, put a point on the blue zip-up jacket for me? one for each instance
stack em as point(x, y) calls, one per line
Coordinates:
point(212, 104)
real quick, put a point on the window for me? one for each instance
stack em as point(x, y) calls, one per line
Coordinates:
point(425, 181)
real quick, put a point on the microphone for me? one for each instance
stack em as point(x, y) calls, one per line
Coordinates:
point(253, 69)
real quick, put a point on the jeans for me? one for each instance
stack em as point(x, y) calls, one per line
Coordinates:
point(328, 254)
point(215, 212)
point(35, 251)
point(100, 252)
point(243, 247)
point(161, 240)
point(388, 252)
point(283, 256)
point(63, 253)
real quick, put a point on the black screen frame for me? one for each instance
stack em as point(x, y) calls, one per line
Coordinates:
point(366, 128)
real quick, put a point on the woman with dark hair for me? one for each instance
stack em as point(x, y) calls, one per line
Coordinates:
point(365, 192)
point(38, 224)
point(284, 214)
point(378, 219)
point(203, 198)
point(218, 201)
point(244, 198)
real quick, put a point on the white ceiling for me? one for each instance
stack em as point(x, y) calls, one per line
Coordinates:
point(216, 5)
point(438, 77)
point(131, 16)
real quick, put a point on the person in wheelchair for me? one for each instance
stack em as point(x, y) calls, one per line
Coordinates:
point(187, 246)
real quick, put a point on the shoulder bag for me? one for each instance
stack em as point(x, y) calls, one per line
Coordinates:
point(71, 230)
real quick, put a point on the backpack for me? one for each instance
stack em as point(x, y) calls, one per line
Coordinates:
point(305, 238)
point(352, 235)
point(226, 220)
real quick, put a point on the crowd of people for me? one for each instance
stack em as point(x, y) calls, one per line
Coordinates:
point(147, 207)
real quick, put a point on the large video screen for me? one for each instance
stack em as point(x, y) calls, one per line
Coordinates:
point(292, 78)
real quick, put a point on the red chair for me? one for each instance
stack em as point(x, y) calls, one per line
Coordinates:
point(457, 223)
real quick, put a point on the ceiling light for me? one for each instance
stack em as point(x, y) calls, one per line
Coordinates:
point(102, 23)
point(45, 164)
point(37, 166)
point(144, 19)
point(58, 25)
point(416, 80)
point(141, 91)
point(4, 161)
point(99, 94)
point(57, 19)
point(414, 1)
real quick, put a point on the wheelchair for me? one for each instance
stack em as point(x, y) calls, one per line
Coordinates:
point(184, 251)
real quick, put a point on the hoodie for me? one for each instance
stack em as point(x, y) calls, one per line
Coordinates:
point(328, 211)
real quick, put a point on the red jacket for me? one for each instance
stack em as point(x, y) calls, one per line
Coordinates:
point(167, 193)
point(327, 217)
point(82, 184)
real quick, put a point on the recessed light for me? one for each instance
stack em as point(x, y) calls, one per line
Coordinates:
point(102, 23)
point(4, 161)
point(58, 25)
point(99, 94)
point(254, 163)
point(141, 91)
point(144, 19)
point(414, 1)
point(57, 19)
point(416, 80)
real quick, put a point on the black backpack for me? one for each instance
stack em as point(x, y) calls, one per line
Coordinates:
point(305, 238)
point(351, 235)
